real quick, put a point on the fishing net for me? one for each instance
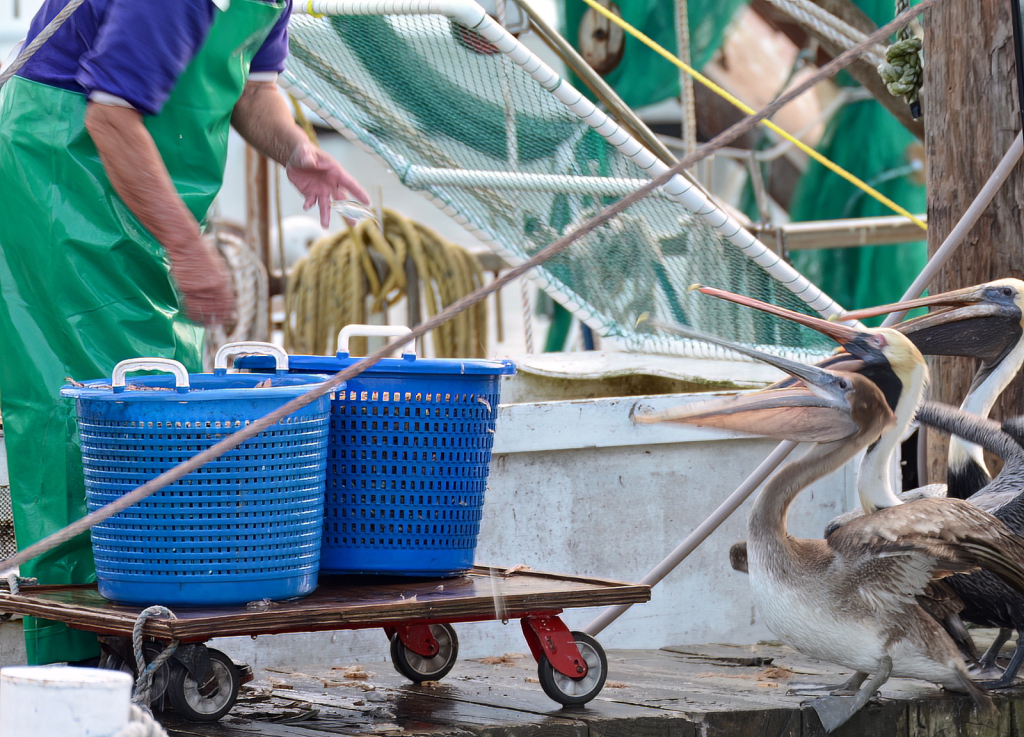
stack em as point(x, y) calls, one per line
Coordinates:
point(476, 123)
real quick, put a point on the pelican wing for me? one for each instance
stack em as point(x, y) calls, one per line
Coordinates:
point(901, 550)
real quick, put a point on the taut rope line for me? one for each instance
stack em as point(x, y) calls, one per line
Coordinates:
point(246, 433)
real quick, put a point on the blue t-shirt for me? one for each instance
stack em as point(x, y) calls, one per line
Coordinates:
point(132, 49)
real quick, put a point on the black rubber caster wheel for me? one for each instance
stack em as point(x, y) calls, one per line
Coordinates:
point(205, 702)
point(150, 651)
point(418, 668)
point(571, 691)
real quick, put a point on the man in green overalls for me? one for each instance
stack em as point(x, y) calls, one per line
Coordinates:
point(113, 139)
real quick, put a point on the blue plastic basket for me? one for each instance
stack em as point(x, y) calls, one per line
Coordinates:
point(244, 527)
point(408, 459)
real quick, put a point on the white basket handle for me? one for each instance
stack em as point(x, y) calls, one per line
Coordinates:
point(167, 365)
point(374, 331)
point(249, 348)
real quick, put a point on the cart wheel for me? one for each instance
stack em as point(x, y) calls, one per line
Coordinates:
point(205, 702)
point(570, 691)
point(418, 668)
point(150, 650)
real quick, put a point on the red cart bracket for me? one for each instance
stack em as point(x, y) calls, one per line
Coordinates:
point(416, 637)
point(548, 637)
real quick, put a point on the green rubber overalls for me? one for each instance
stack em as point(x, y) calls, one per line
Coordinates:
point(84, 285)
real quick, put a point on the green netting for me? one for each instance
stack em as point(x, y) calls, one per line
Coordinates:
point(469, 129)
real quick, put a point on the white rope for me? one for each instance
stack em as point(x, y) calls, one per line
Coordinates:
point(141, 724)
point(524, 294)
point(824, 23)
point(43, 37)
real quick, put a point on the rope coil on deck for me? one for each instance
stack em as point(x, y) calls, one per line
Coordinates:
point(141, 724)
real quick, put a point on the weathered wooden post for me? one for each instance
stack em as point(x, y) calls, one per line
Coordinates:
point(971, 117)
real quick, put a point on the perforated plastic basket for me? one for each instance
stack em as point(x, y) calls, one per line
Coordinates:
point(408, 459)
point(244, 527)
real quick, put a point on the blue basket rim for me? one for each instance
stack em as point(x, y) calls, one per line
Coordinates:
point(407, 364)
point(238, 386)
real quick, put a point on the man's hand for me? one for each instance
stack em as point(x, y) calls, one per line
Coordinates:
point(264, 120)
point(321, 179)
point(204, 282)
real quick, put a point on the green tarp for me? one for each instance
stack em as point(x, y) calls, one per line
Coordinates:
point(644, 77)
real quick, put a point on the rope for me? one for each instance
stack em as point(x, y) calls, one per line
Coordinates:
point(524, 298)
point(43, 37)
point(830, 165)
point(685, 80)
point(251, 287)
point(144, 684)
point(828, 26)
point(141, 724)
point(329, 287)
point(247, 433)
point(902, 71)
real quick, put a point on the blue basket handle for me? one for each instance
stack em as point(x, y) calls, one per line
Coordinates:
point(167, 365)
point(249, 348)
point(375, 331)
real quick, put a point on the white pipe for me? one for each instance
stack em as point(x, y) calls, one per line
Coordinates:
point(471, 15)
point(418, 177)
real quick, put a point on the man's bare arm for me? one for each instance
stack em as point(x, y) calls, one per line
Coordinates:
point(133, 164)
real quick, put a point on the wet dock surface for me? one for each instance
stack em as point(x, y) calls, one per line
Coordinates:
point(686, 691)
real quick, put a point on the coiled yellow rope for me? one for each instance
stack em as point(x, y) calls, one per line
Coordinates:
point(332, 286)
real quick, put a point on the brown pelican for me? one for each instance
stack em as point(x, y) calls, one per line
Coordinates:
point(853, 599)
point(985, 600)
point(986, 322)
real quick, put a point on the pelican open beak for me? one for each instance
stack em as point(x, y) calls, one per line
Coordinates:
point(865, 347)
point(817, 412)
point(838, 332)
point(858, 342)
point(983, 321)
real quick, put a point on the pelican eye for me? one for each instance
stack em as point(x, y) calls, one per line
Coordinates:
point(845, 384)
point(878, 341)
point(1004, 292)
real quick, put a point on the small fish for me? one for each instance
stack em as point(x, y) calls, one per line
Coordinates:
point(354, 210)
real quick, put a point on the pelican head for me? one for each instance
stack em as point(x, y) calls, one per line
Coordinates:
point(984, 321)
point(987, 322)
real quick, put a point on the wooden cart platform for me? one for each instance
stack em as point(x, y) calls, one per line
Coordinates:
point(415, 614)
point(340, 602)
